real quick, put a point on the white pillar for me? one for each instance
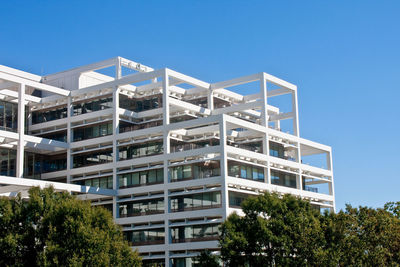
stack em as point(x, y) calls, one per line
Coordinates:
point(69, 138)
point(224, 167)
point(21, 131)
point(210, 99)
point(264, 97)
point(331, 184)
point(115, 149)
point(295, 109)
point(166, 146)
point(165, 97)
point(300, 169)
point(118, 71)
point(264, 122)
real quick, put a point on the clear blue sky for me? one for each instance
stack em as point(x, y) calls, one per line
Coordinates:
point(344, 56)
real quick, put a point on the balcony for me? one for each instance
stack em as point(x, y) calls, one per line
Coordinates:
point(195, 239)
point(310, 189)
point(141, 213)
point(146, 243)
point(194, 171)
point(196, 208)
point(137, 185)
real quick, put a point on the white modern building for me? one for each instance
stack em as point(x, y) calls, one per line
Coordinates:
point(170, 155)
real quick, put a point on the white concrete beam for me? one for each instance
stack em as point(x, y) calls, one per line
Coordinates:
point(24, 182)
point(37, 85)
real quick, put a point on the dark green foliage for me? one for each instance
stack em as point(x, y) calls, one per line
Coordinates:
point(368, 237)
point(283, 231)
point(286, 231)
point(207, 259)
point(56, 229)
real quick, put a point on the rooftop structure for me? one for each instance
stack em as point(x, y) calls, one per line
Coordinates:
point(169, 155)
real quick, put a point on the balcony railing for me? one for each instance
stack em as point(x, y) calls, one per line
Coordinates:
point(137, 185)
point(185, 147)
point(201, 175)
point(247, 147)
point(141, 213)
point(196, 208)
point(195, 239)
point(146, 243)
point(311, 189)
point(135, 127)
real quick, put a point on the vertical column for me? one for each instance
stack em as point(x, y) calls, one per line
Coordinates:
point(300, 182)
point(165, 97)
point(69, 138)
point(210, 99)
point(115, 150)
point(295, 109)
point(264, 122)
point(21, 131)
point(166, 146)
point(264, 97)
point(277, 125)
point(118, 71)
point(224, 166)
point(329, 166)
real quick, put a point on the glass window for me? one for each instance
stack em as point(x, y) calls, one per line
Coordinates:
point(188, 202)
point(96, 132)
point(187, 171)
point(261, 174)
point(9, 115)
point(160, 205)
point(1, 115)
point(152, 176)
point(123, 180)
point(135, 178)
point(255, 173)
point(197, 200)
point(143, 177)
point(160, 175)
point(207, 199)
point(189, 232)
point(243, 171)
point(197, 231)
point(153, 205)
point(216, 198)
point(248, 173)
point(95, 182)
point(103, 182)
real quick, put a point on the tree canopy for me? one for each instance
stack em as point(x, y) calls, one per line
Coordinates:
point(287, 231)
point(56, 229)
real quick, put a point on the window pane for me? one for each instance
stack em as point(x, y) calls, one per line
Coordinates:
point(207, 199)
point(187, 171)
point(95, 182)
point(110, 182)
point(188, 202)
point(152, 176)
point(135, 178)
point(103, 182)
point(160, 175)
point(197, 200)
point(243, 172)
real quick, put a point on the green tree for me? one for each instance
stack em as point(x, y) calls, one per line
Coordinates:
point(275, 230)
point(393, 208)
point(286, 231)
point(368, 237)
point(56, 229)
point(207, 259)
